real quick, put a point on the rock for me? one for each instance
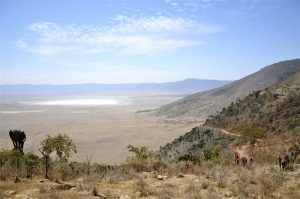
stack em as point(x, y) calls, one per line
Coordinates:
point(125, 197)
point(160, 177)
point(165, 177)
point(10, 192)
point(75, 189)
point(84, 193)
point(41, 181)
point(180, 175)
point(228, 195)
point(197, 181)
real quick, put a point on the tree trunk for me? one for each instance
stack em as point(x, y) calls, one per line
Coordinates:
point(46, 167)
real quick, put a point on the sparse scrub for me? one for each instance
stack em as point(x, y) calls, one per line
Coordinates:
point(193, 190)
point(143, 188)
point(220, 174)
point(31, 162)
point(269, 182)
point(166, 193)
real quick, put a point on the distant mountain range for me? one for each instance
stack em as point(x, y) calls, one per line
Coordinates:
point(207, 103)
point(186, 86)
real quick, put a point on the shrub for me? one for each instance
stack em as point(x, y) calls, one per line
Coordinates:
point(253, 134)
point(31, 162)
point(210, 154)
point(142, 187)
point(140, 152)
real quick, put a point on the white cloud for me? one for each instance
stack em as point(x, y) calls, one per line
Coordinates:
point(131, 35)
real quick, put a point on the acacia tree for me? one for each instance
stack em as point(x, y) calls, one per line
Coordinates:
point(61, 144)
point(141, 153)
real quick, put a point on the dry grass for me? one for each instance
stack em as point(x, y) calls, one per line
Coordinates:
point(143, 188)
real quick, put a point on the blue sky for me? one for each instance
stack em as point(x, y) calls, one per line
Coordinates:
point(119, 41)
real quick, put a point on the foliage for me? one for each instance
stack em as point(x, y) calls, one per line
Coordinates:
point(293, 122)
point(296, 143)
point(4, 156)
point(253, 134)
point(63, 145)
point(210, 154)
point(31, 162)
point(14, 157)
point(140, 152)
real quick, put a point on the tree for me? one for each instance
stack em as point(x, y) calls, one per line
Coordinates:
point(18, 138)
point(31, 162)
point(141, 153)
point(63, 145)
point(254, 134)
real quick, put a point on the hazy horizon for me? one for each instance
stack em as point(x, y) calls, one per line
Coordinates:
point(86, 83)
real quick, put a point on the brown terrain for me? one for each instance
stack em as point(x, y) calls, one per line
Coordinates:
point(96, 130)
point(198, 164)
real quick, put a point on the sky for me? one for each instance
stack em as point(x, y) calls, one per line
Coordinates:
point(134, 41)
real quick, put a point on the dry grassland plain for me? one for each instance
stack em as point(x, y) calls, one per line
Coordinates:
point(100, 131)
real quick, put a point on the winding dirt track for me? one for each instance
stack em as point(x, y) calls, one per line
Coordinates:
point(242, 150)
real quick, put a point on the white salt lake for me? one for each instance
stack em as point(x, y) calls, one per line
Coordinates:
point(78, 102)
point(15, 112)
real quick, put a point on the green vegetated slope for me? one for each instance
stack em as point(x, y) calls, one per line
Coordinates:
point(275, 109)
point(195, 142)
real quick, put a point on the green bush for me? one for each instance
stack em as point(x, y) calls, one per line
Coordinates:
point(140, 152)
point(31, 162)
point(253, 134)
point(210, 154)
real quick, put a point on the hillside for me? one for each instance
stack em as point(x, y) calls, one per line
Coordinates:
point(275, 109)
point(195, 142)
point(186, 86)
point(209, 102)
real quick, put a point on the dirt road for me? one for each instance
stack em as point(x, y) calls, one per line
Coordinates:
point(242, 150)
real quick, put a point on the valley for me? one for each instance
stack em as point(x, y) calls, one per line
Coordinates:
point(96, 129)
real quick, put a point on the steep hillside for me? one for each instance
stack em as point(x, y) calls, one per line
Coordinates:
point(275, 109)
point(209, 102)
point(194, 142)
